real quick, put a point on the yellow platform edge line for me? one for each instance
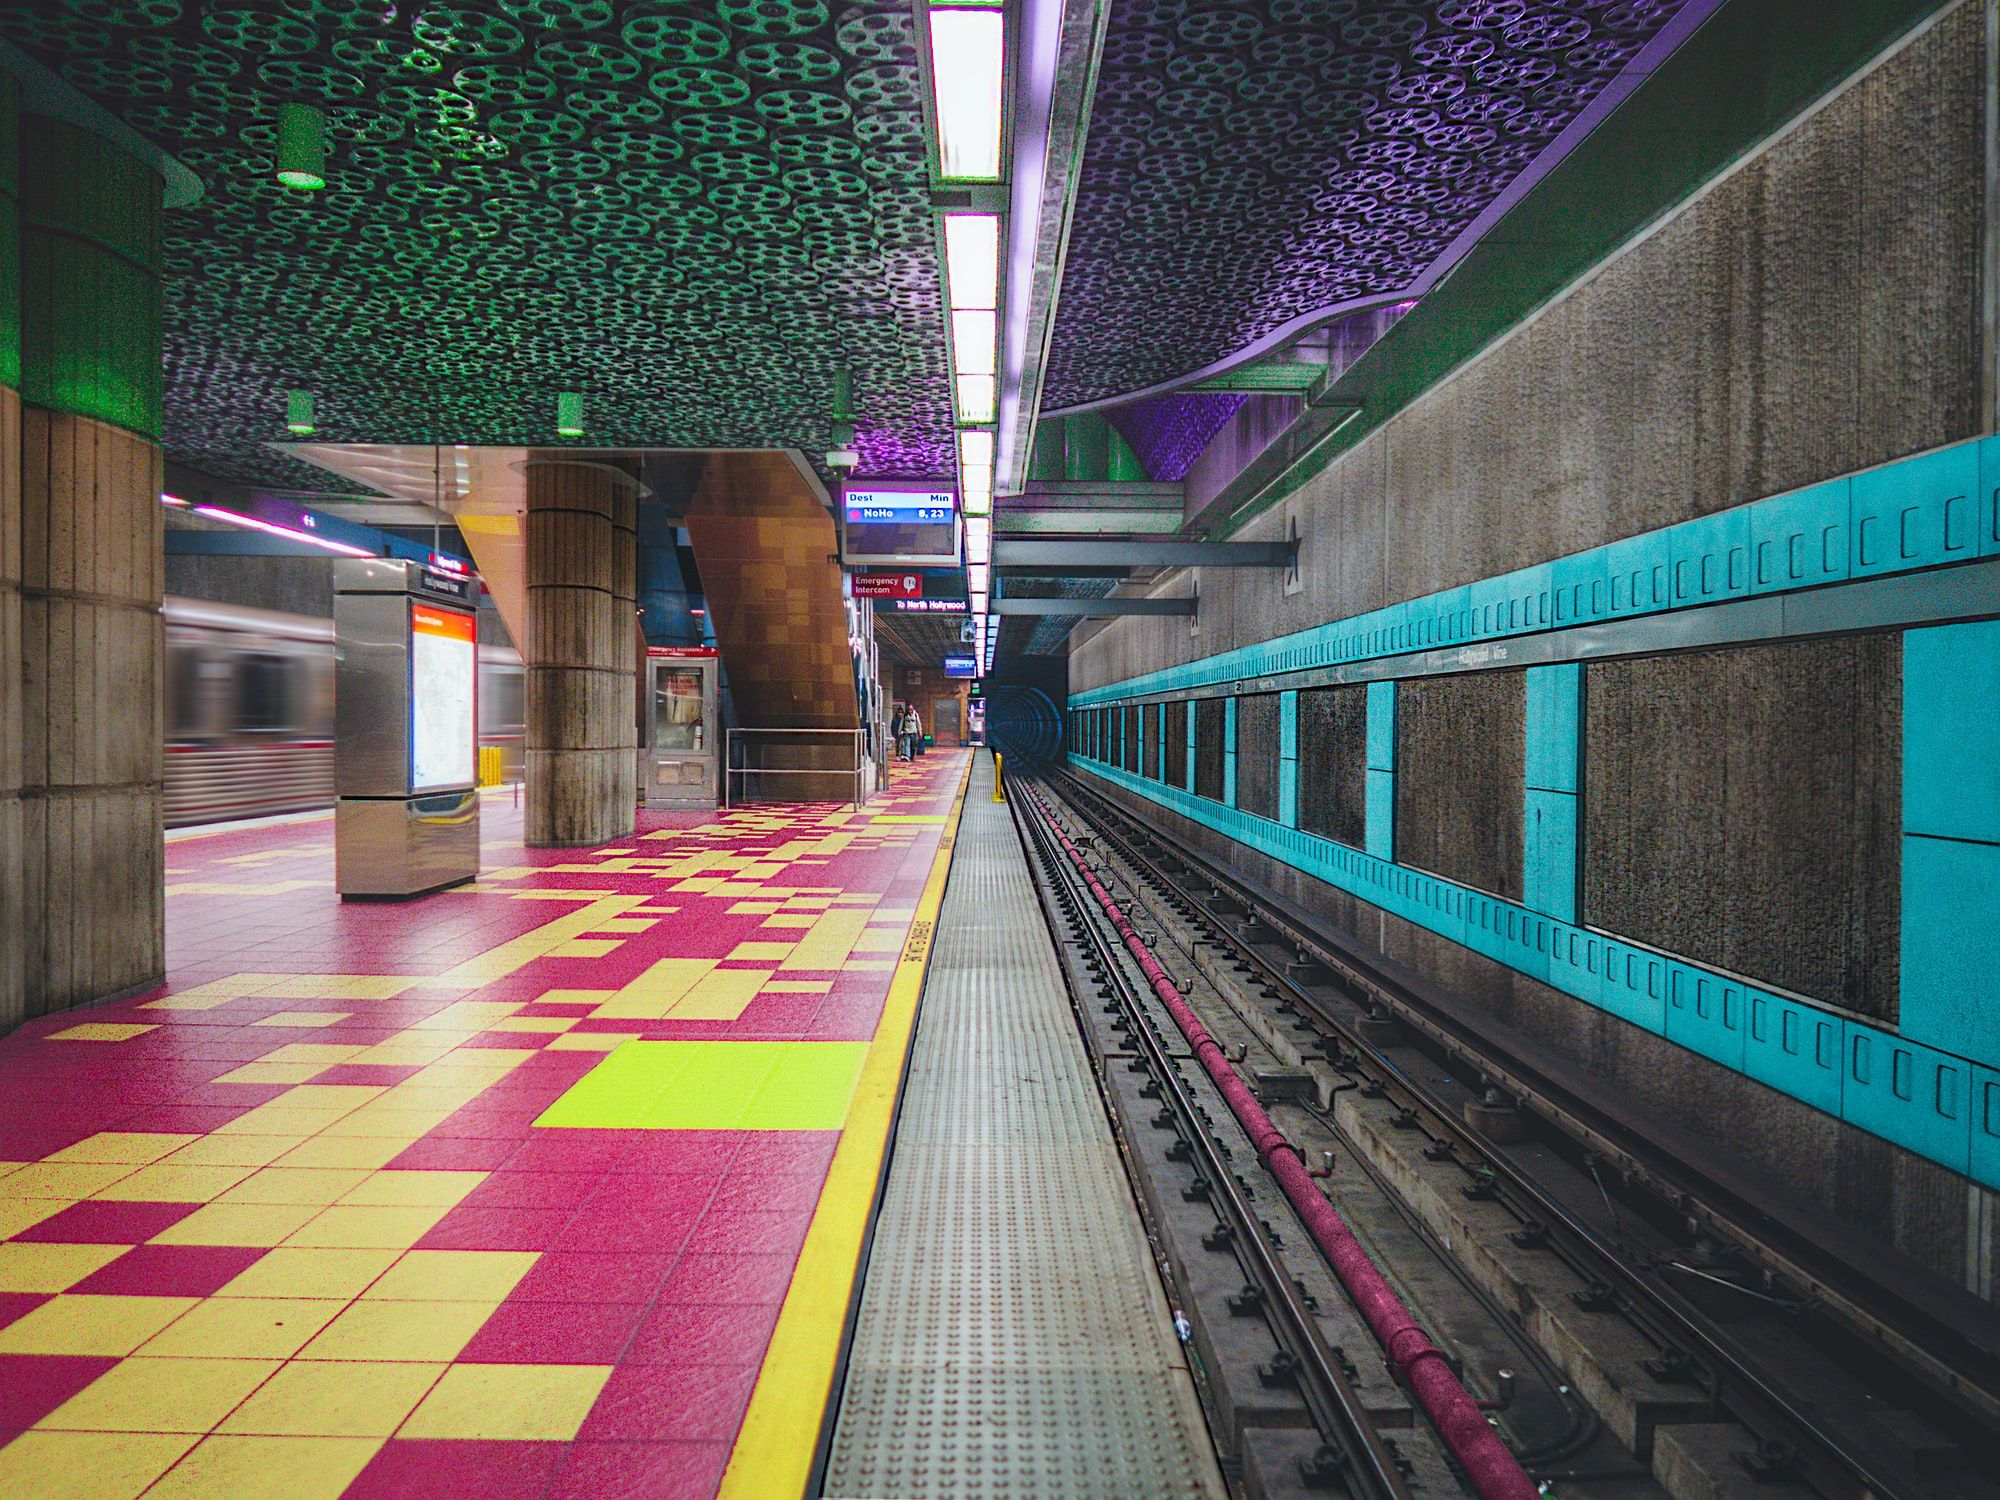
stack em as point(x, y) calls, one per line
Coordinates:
point(774, 1449)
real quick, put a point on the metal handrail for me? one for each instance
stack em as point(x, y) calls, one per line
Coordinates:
point(731, 738)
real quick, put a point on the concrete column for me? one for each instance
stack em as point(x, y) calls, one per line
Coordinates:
point(92, 647)
point(13, 863)
point(580, 652)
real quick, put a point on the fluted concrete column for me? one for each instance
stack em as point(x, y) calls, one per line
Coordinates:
point(581, 737)
point(92, 645)
point(13, 861)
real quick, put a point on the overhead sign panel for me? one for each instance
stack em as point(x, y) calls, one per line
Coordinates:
point(903, 525)
point(888, 585)
point(961, 666)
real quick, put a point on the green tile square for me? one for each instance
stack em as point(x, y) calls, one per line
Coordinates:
point(714, 1086)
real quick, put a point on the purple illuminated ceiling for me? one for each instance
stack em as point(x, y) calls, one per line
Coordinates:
point(1252, 165)
point(1168, 433)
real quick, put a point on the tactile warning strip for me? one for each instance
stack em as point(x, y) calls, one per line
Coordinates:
point(1013, 1337)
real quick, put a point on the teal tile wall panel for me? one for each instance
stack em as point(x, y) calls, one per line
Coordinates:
point(1951, 946)
point(1378, 815)
point(1985, 1162)
point(1707, 1013)
point(1639, 569)
point(1711, 559)
point(1288, 759)
point(1381, 726)
point(1989, 497)
point(1908, 1093)
point(1553, 714)
point(1796, 1049)
point(1548, 828)
point(1799, 540)
point(1229, 753)
point(1951, 731)
point(1917, 513)
point(1922, 511)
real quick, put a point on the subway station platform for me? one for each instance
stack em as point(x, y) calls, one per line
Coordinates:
point(551, 1185)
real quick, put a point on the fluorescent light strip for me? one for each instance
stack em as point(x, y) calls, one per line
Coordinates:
point(972, 260)
point(966, 70)
point(271, 529)
point(976, 394)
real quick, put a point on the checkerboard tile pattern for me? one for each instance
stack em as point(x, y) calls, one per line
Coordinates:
point(496, 1193)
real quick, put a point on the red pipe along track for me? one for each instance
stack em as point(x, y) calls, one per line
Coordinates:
point(1494, 1472)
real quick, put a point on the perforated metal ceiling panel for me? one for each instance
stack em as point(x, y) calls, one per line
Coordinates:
point(691, 213)
point(1254, 162)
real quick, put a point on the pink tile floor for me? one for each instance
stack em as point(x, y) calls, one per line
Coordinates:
point(289, 1225)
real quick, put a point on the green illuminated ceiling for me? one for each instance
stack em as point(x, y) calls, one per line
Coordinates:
point(693, 214)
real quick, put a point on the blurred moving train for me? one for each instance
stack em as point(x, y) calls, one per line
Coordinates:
point(250, 712)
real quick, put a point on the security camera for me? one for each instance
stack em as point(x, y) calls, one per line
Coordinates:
point(842, 458)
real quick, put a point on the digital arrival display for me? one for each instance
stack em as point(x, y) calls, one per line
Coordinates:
point(900, 526)
point(444, 710)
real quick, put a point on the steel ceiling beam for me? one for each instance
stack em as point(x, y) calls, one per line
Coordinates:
point(1061, 555)
point(1082, 608)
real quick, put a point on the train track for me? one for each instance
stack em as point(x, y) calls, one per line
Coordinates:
point(1764, 1322)
point(1353, 1455)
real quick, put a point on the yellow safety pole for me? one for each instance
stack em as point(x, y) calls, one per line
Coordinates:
point(999, 782)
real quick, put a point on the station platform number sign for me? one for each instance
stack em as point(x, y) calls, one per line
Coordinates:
point(888, 585)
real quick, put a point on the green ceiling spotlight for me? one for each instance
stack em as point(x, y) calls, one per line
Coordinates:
point(302, 146)
point(569, 414)
point(842, 457)
point(299, 414)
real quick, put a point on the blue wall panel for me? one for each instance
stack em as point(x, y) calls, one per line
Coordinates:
point(1951, 946)
point(1548, 880)
point(1795, 1049)
point(1799, 540)
point(1707, 1013)
point(1711, 558)
point(1986, 1126)
point(1554, 706)
point(1381, 726)
point(1951, 731)
point(1989, 491)
point(1910, 1094)
point(1378, 817)
point(1288, 759)
point(1917, 513)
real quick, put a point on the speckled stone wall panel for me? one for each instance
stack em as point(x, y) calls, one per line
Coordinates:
point(1460, 766)
point(1743, 808)
point(1208, 757)
point(1257, 754)
point(1333, 763)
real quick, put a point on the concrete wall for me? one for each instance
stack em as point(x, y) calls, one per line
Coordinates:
point(1815, 310)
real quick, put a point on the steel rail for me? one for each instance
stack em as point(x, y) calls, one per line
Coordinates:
point(1824, 1454)
point(1337, 1410)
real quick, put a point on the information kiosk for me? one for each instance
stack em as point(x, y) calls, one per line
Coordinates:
point(680, 741)
point(406, 728)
